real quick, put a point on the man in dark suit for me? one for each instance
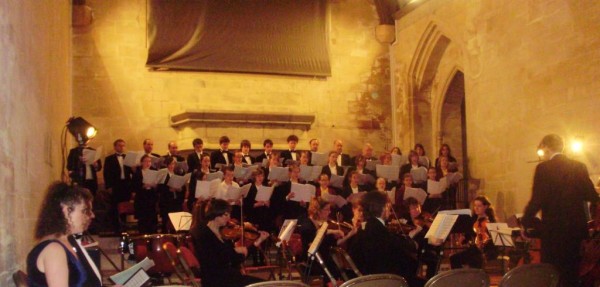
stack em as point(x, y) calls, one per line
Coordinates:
point(561, 188)
point(245, 148)
point(117, 180)
point(291, 154)
point(268, 146)
point(376, 250)
point(194, 158)
point(82, 172)
point(343, 159)
point(148, 146)
point(222, 156)
point(174, 151)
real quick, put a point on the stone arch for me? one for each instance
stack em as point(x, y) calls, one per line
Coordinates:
point(423, 71)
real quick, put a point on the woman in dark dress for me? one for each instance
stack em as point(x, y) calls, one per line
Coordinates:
point(170, 199)
point(53, 261)
point(145, 199)
point(221, 261)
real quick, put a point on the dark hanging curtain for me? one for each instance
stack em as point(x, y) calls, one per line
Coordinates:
point(250, 36)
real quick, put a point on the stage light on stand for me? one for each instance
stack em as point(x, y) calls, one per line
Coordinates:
point(81, 129)
point(577, 145)
point(540, 152)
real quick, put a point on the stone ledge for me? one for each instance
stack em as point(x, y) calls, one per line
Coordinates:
point(234, 118)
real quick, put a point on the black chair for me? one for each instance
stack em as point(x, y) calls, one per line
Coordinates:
point(377, 280)
point(531, 275)
point(464, 277)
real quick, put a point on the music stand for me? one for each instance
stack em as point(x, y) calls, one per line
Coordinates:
point(501, 237)
point(314, 253)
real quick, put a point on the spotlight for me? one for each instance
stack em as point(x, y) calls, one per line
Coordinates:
point(540, 152)
point(81, 129)
point(577, 145)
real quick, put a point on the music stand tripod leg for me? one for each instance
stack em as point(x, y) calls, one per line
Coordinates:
point(320, 259)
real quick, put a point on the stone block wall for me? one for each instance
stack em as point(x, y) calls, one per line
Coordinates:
point(531, 68)
point(114, 90)
point(35, 102)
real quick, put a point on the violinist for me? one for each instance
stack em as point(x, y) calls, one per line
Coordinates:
point(480, 241)
point(221, 260)
point(376, 250)
point(428, 254)
point(318, 213)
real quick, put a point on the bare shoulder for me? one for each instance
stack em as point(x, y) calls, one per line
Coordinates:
point(53, 249)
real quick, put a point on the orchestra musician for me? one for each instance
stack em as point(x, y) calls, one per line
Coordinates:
point(561, 188)
point(194, 158)
point(332, 167)
point(54, 261)
point(375, 250)
point(221, 260)
point(291, 154)
point(479, 239)
point(169, 199)
point(268, 148)
point(146, 198)
point(221, 156)
point(245, 149)
point(428, 253)
point(308, 224)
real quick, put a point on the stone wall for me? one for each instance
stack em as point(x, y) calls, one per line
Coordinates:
point(114, 90)
point(531, 68)
point(35, 102)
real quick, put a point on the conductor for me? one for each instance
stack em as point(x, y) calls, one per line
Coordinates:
point(561, 188)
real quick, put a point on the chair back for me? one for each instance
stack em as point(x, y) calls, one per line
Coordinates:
point(189, 261)
point(20, 279)
point(282, 283)
point(344, 263)
point(460, 277)
point(171, 253)
point(376, 280)
point(531, 275)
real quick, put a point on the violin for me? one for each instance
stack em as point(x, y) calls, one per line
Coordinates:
point(481, 232)
point(397, 227)
point(234, 231)
point(425, 219)
point(339, 225)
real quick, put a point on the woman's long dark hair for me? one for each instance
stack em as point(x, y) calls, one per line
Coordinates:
point(51, 219)
point(489, 211)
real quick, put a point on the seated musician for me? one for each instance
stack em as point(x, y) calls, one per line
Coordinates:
point(221, 261)
point(480, 241)
point(376, 250)
point(421, 221)
point(308, 224)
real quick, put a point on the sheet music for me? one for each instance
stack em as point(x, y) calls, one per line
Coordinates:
point(336, 200)
point(352, 197)
point(314, 246)
point(417, 193)
point(263, 193)
point(436, 187)
point(279, 173)
point(138, 279)
point(389, 172)
point(287, 228)
point(214, 175)
point(181, 165)
point(207, 189)
point(162, 175)
point(453, 177)
point(302, 192)
point(244, 172)
point(156, 162)
point(90, 156)
point(318, 158)
point(123, 276)
point(181, 220)
point(336, 181)
point(234, 193)
point(310, 173)
point(399, 160)
point(178, 181)
point(441, 226)
point(150, 177)
point(424, 161)
point(465, 211)
point(371, 164)
point(265, 162)
point(501, 234)
point(419, 174)
point(391, 194)
point(365, 178)
point(132, 158)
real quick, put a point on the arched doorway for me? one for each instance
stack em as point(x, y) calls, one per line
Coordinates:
point(453, 128)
